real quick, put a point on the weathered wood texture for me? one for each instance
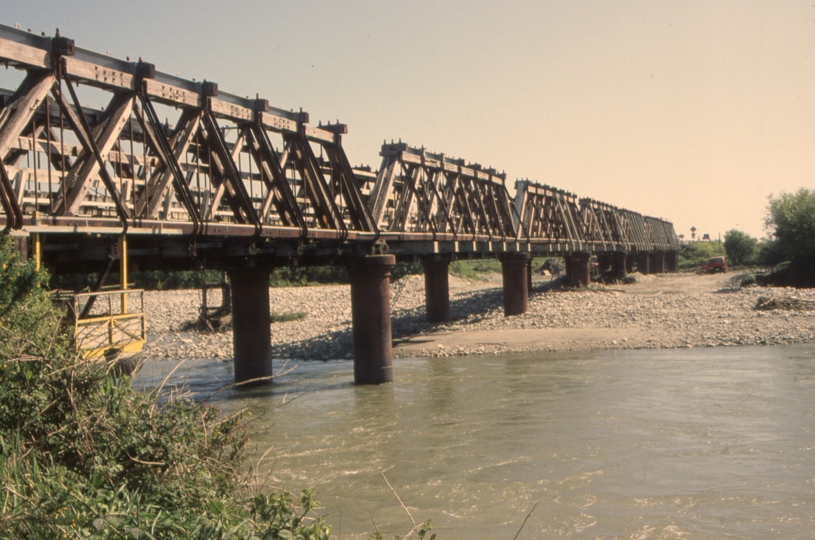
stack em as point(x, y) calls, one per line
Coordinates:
point(230, 165)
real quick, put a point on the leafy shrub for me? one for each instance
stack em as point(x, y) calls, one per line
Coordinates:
point(694, 254)
point(84, 455)
point(791, 217)
point(740, 247)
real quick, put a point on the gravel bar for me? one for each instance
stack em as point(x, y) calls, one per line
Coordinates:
point(658, 311)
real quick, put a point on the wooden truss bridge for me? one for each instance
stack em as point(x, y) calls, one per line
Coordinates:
point(89, 172)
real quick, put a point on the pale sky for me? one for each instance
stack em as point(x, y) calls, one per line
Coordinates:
point(693, 111)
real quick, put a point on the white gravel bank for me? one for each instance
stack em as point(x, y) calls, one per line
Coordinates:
point(663, 311)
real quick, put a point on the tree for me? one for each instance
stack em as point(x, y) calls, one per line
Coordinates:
point(791, 218)
point(695, 253)
point(740, 247)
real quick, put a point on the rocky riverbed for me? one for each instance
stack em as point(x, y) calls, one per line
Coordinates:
point(658, 311)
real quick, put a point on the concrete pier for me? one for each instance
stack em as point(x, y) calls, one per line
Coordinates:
point(644, 262)
point(515, 270)
point(579, 269)
point(251, 333)
point(371, 318)
point(436, 290)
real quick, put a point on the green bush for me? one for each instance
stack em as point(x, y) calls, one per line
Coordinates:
point(770, 253)
point(791, 217)
point(84, 455)
point(741, 248)
point(694, 254)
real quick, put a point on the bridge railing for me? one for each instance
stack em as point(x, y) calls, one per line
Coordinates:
point(108, 321)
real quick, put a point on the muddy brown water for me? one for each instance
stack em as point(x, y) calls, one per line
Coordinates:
point(687, 443)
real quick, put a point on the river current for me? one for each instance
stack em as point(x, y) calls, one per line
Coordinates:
point(679, 443)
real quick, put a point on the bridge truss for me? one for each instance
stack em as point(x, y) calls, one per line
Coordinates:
point(232, 180)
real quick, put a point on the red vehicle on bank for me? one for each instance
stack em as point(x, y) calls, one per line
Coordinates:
point(715, 264)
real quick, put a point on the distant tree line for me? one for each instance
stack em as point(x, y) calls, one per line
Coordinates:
point(790, 245)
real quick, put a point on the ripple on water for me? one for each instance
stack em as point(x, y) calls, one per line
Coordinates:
point(692, 443)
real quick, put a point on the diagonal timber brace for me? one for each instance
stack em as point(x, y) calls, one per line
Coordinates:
point(169, 151)
point(279, 192)
point(230, 174)
point(104, 136)
point(326, 213)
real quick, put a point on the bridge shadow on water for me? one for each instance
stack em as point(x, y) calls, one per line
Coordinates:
point(472, 306)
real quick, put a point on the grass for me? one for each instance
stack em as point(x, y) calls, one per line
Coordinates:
point(475, 269)
point(287, 316)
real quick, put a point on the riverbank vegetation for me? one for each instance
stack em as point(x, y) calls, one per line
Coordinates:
point(84, 455)
point(693, 254)
point(789, 250)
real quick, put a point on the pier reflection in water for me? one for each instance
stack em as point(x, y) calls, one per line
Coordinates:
point(690, 443)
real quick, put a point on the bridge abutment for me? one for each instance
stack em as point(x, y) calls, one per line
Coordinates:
point(371, 318)
point(658, 262)
point(578, 268)
point(251, 333)
point(436, 289)
point(515, 272)
point(644, 262)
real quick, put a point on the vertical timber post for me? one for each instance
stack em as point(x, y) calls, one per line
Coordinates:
point(618, 260)
point(251, 333)
point(658, 262)
point(643, 262)
point(123, 270)
point(436, 289)
point(37, 251)
point(579, 269)
point(371, 318)
point(514, 269)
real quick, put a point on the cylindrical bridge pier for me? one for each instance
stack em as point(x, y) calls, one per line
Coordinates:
point(515, 272)
point(436, 289)
point(658, 262)
point(578, 269)
point(371, 318)
point(251, 333)
point(643, 262)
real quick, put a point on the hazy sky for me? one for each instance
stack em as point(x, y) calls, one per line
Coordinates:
point(693, 111)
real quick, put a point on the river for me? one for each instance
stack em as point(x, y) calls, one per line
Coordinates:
point(679, 443)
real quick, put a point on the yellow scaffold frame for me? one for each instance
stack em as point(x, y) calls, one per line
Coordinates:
point(115, 329)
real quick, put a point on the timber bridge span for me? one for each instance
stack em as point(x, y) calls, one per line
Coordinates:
point(238, 185)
